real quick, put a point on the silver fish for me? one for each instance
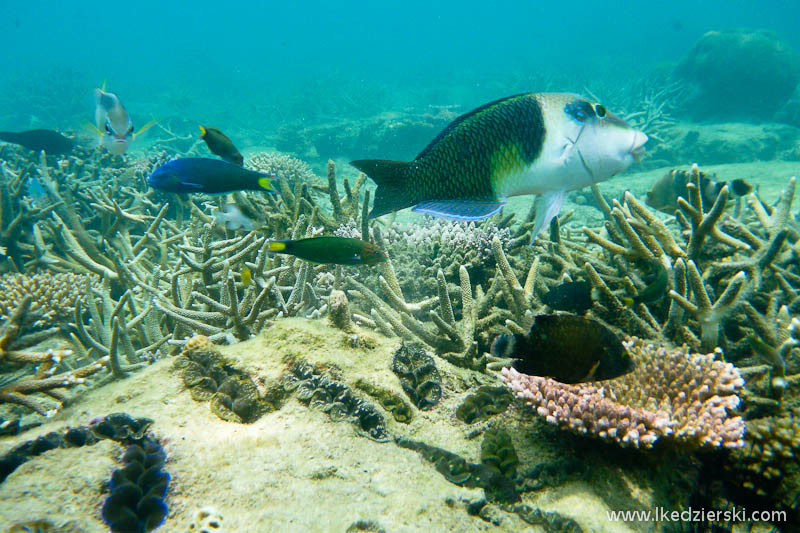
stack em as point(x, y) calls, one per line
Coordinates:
point(113, 123)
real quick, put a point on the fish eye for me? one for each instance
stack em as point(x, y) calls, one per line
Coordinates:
point(600, 110)
point(108, 129)
point(130, 130)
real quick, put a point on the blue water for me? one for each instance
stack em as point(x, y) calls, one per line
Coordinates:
point(256, 66)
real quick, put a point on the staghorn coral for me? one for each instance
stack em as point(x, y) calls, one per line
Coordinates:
point(671, 394)
point(43, 374)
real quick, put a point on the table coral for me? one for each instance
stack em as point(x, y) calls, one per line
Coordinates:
point(676, 394)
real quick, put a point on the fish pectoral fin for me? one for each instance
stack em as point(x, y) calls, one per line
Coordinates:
point(547, 207)
point(145, 128)
point(92, 128)
point(592, 370)
point(464, 210)
point(191, 186)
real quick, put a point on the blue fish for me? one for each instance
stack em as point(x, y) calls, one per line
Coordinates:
point(35, 192)
point(210, 176)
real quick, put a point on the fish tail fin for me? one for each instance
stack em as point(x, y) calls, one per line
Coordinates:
point(202, 131)
point(392, 178)
point(739, 187)
point(279, 247)
point(628, 301)
point(265, 183)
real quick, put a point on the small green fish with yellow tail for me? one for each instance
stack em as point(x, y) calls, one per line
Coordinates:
point(330, 250)
point(535, 143)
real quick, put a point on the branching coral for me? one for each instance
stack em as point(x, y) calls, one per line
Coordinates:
point(46, 378)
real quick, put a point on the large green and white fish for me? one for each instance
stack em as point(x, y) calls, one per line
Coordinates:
point(534, 143)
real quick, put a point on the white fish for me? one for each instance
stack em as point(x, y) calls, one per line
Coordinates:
point(233, 218)
point(113, 123)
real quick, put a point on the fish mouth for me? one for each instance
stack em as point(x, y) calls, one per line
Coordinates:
point(637, 146)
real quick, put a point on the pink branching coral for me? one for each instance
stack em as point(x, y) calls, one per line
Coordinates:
point(674, 394)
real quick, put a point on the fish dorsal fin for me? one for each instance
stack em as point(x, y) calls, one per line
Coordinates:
point(547, 207)
point(465, 210)
point(103, 87)
point(457, 122)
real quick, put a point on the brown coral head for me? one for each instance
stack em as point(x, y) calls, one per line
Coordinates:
point(198, 342)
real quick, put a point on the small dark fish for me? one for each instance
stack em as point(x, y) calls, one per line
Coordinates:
point(330, 250)
point(221, 145)
point(566, 348)
point(572, 296)
point(654, 291)
point(664, 193)
point(210, 176)
point(50, 141)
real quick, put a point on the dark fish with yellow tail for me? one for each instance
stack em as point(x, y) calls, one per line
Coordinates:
point(52, 142)
point(221, 145)
point(664, 193)
point(330, 250)
point(536, 143)
point(566, 348)
point(210, 176)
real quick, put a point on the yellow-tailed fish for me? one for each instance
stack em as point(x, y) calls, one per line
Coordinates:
point(210, 176)
point(221, 145)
